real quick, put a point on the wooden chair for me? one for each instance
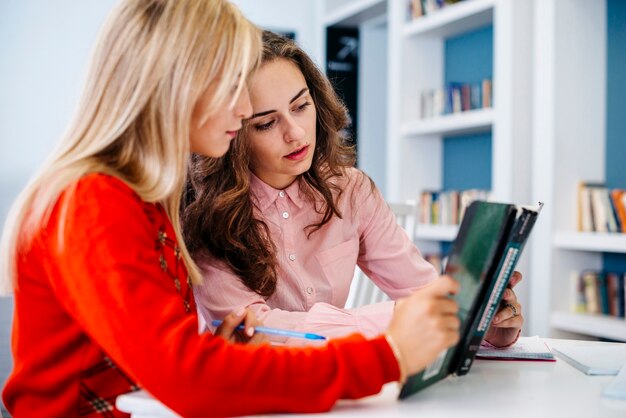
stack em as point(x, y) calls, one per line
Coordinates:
point(362, 290)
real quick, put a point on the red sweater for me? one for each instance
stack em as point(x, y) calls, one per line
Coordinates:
point(109, 311)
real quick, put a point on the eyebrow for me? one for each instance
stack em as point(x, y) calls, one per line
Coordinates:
point(267, 112)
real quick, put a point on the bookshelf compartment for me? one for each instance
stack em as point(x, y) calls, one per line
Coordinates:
point(468, 122)
point(599, 326)
point(353, 13)
point(428, 232)
point(452, 20)
point(591, 241)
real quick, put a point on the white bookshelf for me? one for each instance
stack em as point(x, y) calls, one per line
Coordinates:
point(450, 21)
point(415, 145)
point(427, 232)
point(471, 121)
point(596, 325)
point(352, 13)
point(568, 147)
point(544, 140)
point(590, 241)
point(416, 63)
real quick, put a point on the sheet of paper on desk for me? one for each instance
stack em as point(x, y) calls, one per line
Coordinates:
point(526, 348)
point(594, 360)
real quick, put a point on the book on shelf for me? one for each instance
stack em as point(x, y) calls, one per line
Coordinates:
point(438, 207)
point(526, 348)
point(482, 258)
point(618, 199)
point(419, 8)
point(455, 98)
point(598, 292)
point(601, 209)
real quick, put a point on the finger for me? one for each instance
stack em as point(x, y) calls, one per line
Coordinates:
point(510, 322)
point(258, 339)
point(446, 306)
point(509, 296)
point(249, 323)
point(516, 277)
point(230, 323)
point(509, 311)
point(443, 286)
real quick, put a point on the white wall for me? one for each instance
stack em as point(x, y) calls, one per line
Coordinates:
point(300, 16)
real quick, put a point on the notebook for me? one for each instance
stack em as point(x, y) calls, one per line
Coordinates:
point(526, 348)
point(594, 360)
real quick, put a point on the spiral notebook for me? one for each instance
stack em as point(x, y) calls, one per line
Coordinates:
point(526, 348)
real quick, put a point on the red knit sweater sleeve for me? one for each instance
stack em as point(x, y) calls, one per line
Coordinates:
point(109, 278)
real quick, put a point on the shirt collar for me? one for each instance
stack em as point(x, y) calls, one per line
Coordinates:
point(265, 195)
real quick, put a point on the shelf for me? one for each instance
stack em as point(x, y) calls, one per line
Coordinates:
point(356, 12)
point(471, 121)
point(591, 241)
point(429, 232)
point(453, 20)
point(596, 325)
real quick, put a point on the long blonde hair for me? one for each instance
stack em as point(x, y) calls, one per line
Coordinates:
point(152, 62)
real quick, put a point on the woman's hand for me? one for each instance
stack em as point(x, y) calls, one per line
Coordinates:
point(425, 323)
point(507, 322)
point(228, 328)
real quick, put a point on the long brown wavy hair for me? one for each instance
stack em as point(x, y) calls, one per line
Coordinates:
point(218, 210)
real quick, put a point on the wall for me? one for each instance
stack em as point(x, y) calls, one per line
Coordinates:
point(467, 158)
point(300, 16)
point(615, 105)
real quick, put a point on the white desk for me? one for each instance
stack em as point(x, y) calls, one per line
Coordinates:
point(502, 389)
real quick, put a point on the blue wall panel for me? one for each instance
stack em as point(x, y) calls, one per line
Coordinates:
point(467, 159)
point(616, 110)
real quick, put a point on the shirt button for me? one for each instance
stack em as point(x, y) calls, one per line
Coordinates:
point(285, 215)
point(309, 290)
point(292, 257)
point(281, 194)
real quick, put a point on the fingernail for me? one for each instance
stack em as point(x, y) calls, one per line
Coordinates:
point(496, 319)
point(240, 311)
point(250, 332)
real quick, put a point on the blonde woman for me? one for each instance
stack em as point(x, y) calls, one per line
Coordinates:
point(92, 250)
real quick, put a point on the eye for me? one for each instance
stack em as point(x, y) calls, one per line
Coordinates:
point(303, 106)
point(264, 126)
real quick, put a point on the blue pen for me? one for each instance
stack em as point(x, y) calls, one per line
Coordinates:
point(277, 331)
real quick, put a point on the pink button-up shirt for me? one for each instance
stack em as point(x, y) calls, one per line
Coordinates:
point(315, 272)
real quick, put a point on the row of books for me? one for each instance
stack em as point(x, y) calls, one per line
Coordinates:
point(598, 292)
point(456, 98)
point(601, 209)
point(418, 8)
point(447, 207)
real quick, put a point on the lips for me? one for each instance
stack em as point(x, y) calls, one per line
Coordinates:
point(298, 154)
point(233, 133)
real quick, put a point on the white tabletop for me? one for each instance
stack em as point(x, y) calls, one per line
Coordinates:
point(491, 389)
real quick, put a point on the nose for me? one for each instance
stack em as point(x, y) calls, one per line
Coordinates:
point(293, 131)
point(243, 107)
